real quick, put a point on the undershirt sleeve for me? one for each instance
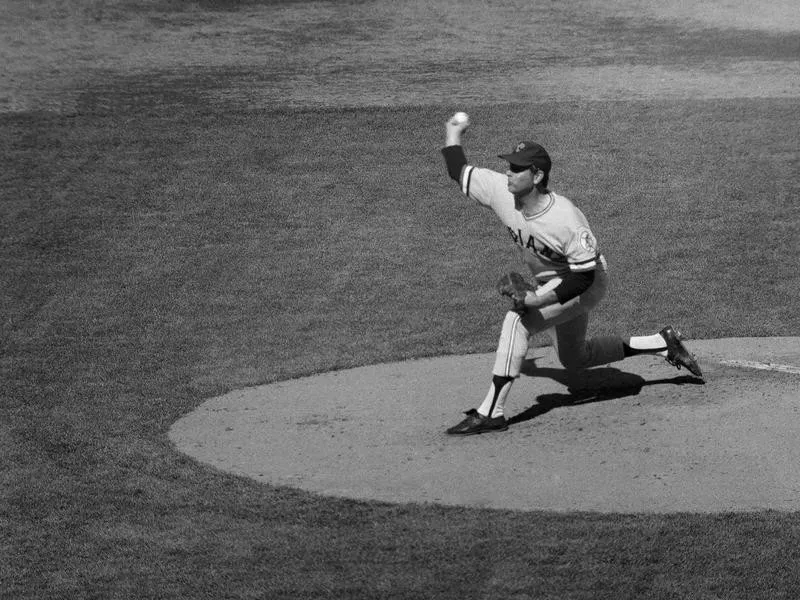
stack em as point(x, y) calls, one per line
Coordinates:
point(456, 160)
point(573, 285)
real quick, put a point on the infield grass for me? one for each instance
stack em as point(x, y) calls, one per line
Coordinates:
point(167, 238)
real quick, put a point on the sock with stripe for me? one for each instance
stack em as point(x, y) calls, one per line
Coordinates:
point(495, 400)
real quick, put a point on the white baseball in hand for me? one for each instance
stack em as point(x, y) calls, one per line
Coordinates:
point(461, 118)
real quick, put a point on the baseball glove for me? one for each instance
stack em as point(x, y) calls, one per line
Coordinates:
point(515, 287)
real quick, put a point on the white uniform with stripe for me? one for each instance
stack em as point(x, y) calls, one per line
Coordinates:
point(553, 242)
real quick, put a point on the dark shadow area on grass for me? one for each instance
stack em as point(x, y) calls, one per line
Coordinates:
point(592, 385)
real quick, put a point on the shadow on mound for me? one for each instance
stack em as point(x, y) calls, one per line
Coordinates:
point(593, 385)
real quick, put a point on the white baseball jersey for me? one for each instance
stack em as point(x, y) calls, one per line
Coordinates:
point(554, 242)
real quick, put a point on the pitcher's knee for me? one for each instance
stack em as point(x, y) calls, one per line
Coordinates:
point(574, 361)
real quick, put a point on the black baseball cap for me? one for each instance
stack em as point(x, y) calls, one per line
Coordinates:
point(529, 154)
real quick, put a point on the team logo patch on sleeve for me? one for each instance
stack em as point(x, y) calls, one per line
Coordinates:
point(588, 242)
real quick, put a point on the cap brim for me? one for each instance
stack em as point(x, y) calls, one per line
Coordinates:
point(515, 159)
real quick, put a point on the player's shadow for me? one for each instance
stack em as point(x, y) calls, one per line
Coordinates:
point(592, 385)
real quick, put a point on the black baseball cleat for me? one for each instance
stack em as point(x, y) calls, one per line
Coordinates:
point(677, 354)
point(477, 423)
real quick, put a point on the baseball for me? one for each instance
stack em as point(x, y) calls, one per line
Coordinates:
point(461, 117)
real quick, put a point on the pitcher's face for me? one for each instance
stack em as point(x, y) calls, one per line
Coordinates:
point(522, 180)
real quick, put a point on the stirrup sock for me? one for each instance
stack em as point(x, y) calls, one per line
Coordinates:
point(495, 400)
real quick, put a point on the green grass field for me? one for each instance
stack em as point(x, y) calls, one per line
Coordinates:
point(162, 244)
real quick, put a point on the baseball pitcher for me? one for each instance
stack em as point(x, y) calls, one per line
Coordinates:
point(567, 275)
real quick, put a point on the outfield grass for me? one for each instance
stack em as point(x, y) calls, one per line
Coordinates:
point(153, 259)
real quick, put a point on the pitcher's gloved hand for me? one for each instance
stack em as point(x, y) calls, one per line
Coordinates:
point(515, 287)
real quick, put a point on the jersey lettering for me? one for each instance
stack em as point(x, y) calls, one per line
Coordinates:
point(533, 244)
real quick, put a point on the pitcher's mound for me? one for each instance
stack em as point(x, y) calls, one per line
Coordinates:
point(638, 437)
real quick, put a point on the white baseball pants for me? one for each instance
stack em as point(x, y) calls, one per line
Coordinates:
point(566, 324)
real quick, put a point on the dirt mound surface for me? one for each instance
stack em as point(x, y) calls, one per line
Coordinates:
point(635, 436)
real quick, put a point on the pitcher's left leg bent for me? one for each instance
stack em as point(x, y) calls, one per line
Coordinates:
point(517, 330)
